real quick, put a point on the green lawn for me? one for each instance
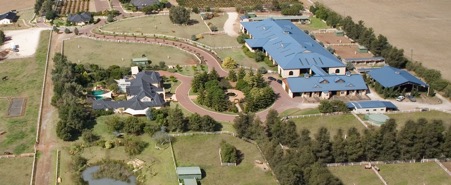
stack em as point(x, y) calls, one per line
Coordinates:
point(103, 53)
point(190, 71)
point(202, 150)
point(315, 24)
point(355, 175)
point(332, 123)
point(219, 40)
point(25, 80)
point(401, 118)
point(414, 173)
point(238, 55)
point(16, 171)
point(158, 24)
point(296, 111)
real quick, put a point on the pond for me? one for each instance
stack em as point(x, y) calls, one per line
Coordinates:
point(87, 176)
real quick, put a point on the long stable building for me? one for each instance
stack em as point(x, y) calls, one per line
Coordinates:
point(310, 69)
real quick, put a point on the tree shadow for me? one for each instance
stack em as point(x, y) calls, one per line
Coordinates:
point(239, 157)
point(193, 22)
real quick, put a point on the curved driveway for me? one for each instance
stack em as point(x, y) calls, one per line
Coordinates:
point(282, 103)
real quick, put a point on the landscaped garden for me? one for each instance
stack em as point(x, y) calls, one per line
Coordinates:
point(73, 6)
point(203, 151)
point(79, 50)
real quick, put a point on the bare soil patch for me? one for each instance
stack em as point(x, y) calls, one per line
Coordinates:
point(418, 26)
point(350, 52)
point(7, 5)
point(331, 38)
point(26, 42)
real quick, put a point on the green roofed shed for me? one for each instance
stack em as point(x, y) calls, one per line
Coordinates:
point(340, 33)
point(362, 49)
point(189, 173)
point(140, 61)
point(189, 181)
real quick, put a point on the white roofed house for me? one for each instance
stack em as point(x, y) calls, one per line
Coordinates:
point(144, 91)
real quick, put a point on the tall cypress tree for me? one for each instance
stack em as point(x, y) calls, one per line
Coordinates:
point(433, 139)
point(390, 149)
point(446, 146)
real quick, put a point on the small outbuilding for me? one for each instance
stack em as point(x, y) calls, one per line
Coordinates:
point(189, 173)
point(140, 61)
point(371, 106)
point(362, 49)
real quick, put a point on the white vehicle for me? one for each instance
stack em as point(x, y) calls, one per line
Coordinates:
point(400, 98)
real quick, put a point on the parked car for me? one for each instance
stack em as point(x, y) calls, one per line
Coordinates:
point(411, 98)
point(271, 78)
point(279, 81)
point(400, 98)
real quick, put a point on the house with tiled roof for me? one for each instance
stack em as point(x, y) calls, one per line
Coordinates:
point(309, 69)
point(143, 3)
point(143, 91)
point(80, 19)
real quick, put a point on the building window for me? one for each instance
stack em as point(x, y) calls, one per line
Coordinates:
point(290, 73)
point(367, 110)
point(374, 110)
point(382, 109)
point(337, 71)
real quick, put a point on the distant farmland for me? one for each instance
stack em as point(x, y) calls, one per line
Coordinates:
point(421, 28)
point(224, 3)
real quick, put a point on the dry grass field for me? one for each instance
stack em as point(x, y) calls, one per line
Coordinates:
point(355, 175)
point(6, 5)
point(421, 26)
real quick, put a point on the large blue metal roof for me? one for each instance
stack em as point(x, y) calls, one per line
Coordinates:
point(370, 104)
point(288, 45)
point(326, 83)
point(390, 77)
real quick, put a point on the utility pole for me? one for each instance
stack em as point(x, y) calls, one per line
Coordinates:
point(411, 54)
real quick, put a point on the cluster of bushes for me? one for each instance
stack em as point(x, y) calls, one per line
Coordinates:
point(229, 63)
point(77, 165)
point(212, 27)
point(241, 38)
point(2, 37)
point(258, 93)
point(211, 91)
point(113, 169)
point(380, 46)
point(326, 106)
point(174, 120)
point(229, 153)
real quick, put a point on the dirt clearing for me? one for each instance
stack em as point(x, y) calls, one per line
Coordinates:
point(418, 26)
point(7, 5)
point(26, 42)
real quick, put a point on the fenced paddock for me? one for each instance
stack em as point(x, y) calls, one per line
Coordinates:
point(16, 107)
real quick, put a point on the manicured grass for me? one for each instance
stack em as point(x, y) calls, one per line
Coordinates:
point(296, 111)
point(238, 55)
point(355, 175)
point(401, 118)
point(332, 123)
point(25, 80)
point(219, 40)
point(158, 24)
point(414, 173)
point(111, 53)
point(315, 24)
point(16, 170)
point(202, 150)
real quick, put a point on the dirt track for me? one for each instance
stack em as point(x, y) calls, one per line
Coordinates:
point(423, 26)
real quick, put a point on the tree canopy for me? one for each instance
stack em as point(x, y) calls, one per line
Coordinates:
point(179, 15)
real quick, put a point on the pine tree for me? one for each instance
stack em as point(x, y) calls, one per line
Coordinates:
point(232, 76)
point(388, 134)
point(371, 144)
point(446, 146)
point(322, 147)
point(338, 147)
point(354, 148)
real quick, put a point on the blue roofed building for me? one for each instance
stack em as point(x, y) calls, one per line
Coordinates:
point(372, 106)
point(392, 77)
point(301, 60)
